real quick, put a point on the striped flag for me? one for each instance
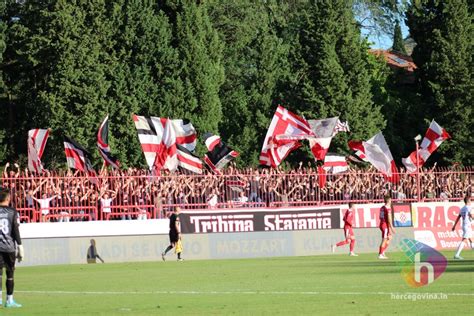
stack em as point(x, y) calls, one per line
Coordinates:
point(335, 164)
point(77, 157)
point(219, 154)
point(434, 136)
point(103, 145)
point(154, 141)
point(283, 136)
point(376, 151)
point(188, 161)
point(37, 139)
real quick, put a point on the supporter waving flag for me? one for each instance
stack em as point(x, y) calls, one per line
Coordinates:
point(434, 136)
point(219, 154)
point(103, 145)
point(283, 136)
point(37, 139)
point(376, 151)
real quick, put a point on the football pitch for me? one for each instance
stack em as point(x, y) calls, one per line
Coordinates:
point(317, 285)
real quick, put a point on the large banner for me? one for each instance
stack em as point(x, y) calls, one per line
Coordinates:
point(260, 220)
point(367, 215)
point(433, 223)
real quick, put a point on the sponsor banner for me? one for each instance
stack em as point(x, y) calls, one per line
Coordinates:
point(94, 228)
point(260, 220)
point(367, 215)
point(433, 223)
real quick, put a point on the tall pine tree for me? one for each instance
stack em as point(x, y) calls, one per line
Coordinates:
point(253, 56)
point(398, 45)
point(330, 69)
point(3, 112)
point(200, 67)
point(443, 31)
point(142, 72)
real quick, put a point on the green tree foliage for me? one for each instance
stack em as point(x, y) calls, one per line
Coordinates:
point(330, 70)
point(398, 45)
point(3, 26)
point(225, 65)
point(200, 66)
point(443, 31)
point(253, 57)
point(142, 72)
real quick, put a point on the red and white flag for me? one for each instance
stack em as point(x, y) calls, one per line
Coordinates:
point(151, 134)
point(283, 136)
point(434, 136)
point(77, 157)
point(37, 139)
point(324, 130)
point(103, 145)
point(166, 157)
point(335, 164)
point(188, 161)
point(376, 151)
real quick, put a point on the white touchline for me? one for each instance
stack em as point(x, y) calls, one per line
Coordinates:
point(236, 292)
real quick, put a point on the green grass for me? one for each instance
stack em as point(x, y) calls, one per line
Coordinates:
point(334, 285)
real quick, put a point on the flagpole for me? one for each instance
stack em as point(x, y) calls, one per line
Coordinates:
point(418, 187)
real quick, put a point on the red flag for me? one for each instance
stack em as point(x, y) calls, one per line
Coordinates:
point(283, 136)
point(434, 136)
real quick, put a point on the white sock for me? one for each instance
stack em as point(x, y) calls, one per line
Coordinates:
point(461, 245)
point(9, 298)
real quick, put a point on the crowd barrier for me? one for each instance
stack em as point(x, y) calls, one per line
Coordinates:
point(59, 198)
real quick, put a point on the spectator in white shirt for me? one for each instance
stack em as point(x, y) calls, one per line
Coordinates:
point(44, 203)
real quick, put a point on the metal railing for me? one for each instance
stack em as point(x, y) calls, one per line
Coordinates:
point(129, 196)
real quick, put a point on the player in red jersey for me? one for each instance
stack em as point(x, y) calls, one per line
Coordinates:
point(386, 226)
point(348, 232)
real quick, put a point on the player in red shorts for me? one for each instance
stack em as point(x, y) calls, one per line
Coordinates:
point(386, 226)
point(348, 232)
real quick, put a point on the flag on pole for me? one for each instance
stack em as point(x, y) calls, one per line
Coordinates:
point(103, 145)
point(434, 136)
point(323, 131)
point(188, 161)
point(166, 157)
point(376, 151)
point(77, 157)
point(152, 137)
point(283, 136)
point(37, 139)
point(219, 154)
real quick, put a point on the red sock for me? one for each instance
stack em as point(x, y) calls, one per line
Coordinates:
point(351, 247)
point(342, 243)
point(381, 249)
point(384, 248)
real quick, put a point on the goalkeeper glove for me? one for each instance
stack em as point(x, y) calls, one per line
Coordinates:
point(21, 253)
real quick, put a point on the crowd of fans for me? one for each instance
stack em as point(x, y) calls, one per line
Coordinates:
point(138, 194)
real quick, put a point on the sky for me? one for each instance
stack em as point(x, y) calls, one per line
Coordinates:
point(384, 42)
